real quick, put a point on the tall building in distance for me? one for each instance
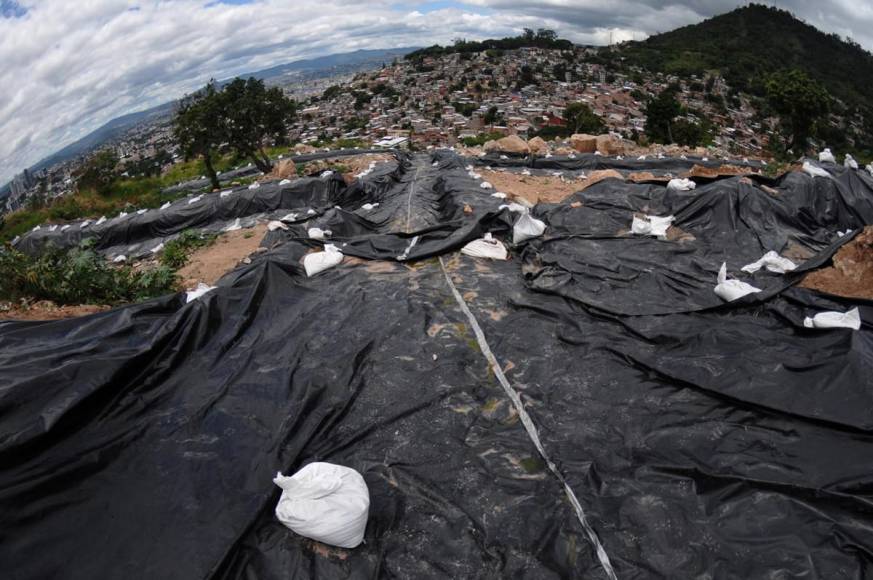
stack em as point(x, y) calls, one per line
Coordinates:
point(22, 182)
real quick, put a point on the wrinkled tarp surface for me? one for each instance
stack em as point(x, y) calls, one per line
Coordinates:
point(701, 439)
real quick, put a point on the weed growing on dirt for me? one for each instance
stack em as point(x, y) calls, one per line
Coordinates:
point(78, 276)
point(176, 252)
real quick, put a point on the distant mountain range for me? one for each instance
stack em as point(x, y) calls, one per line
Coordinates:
point(320, 66)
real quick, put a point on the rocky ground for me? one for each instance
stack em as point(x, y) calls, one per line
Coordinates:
point(349, 166)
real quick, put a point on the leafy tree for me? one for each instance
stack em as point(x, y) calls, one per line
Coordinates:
point(526, 77)
point(253, 113)
point(800, 103)
point(491, 115)
point(199, 128)
point(581, 119)
point(660, 113)
point(692, 134)
point(99, 172)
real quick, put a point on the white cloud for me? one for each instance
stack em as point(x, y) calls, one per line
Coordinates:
point(69, 67)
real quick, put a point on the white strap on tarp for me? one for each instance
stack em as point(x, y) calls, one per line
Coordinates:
point(528, 424)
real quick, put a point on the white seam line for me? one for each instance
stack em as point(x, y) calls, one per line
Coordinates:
point(528, 424)
point(409, 200)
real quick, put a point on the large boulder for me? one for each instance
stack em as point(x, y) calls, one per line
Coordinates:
point(284, 169)
point(512, 144)
point(609, 145)
point(538, 146)
point(303, 149)
point(583, 143)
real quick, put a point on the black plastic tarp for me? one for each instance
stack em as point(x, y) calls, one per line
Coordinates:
point(702, 439)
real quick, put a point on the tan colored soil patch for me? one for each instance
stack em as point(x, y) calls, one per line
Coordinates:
point(851, 275)
point(209, 264)
point(46, 310)
point(533, 188)
point(638, 176)
point(722, 170)
point(597, 176)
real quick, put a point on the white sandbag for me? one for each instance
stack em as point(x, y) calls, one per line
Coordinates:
point(870, 168)
point(730, 290)
point(485, 185)
point(826, 156)
point(101, 220)
point(65, 228)
point(197, 292)
point(122, 214)
point(850, 319)
point(850, 162)
point(35, 228)
point(276, 225)
point(84, 224)
point(369, 206)
point(321, 261)
point(814, 171)
point(255, 185)
point(310, 212)
point(290, 217)
point(195, 199)
point(526, 228)
point(157, 248)
point(525, 171)
point(325, 502)
point(486, 247)
point(651, 225)
point(224, 194)
point(233, 226)
point(285, 182)
point(318, 233)
point(773, 262)
point(165, 206)
point(514, 207)
point(641, 158)
point(119, 258)
point(681, 185)
point(53, 228)
point(141, 211)
point(499, 195)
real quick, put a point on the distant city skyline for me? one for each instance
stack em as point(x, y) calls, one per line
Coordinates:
point(71, 67)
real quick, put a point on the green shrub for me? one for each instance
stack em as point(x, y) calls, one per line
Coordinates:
point(78, 276)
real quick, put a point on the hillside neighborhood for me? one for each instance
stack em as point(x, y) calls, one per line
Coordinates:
point(457, 99)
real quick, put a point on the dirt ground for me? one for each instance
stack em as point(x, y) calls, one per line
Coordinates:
point(46, 310)
point(352, 165)
point(720, 171)
point(536, 188)
point(209, 264)
point(851, 275)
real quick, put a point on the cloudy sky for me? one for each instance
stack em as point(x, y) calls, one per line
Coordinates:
point(67, 67)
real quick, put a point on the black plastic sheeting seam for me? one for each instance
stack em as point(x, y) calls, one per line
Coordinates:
point(531, 429)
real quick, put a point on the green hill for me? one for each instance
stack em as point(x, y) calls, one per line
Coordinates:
point(750, 42)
